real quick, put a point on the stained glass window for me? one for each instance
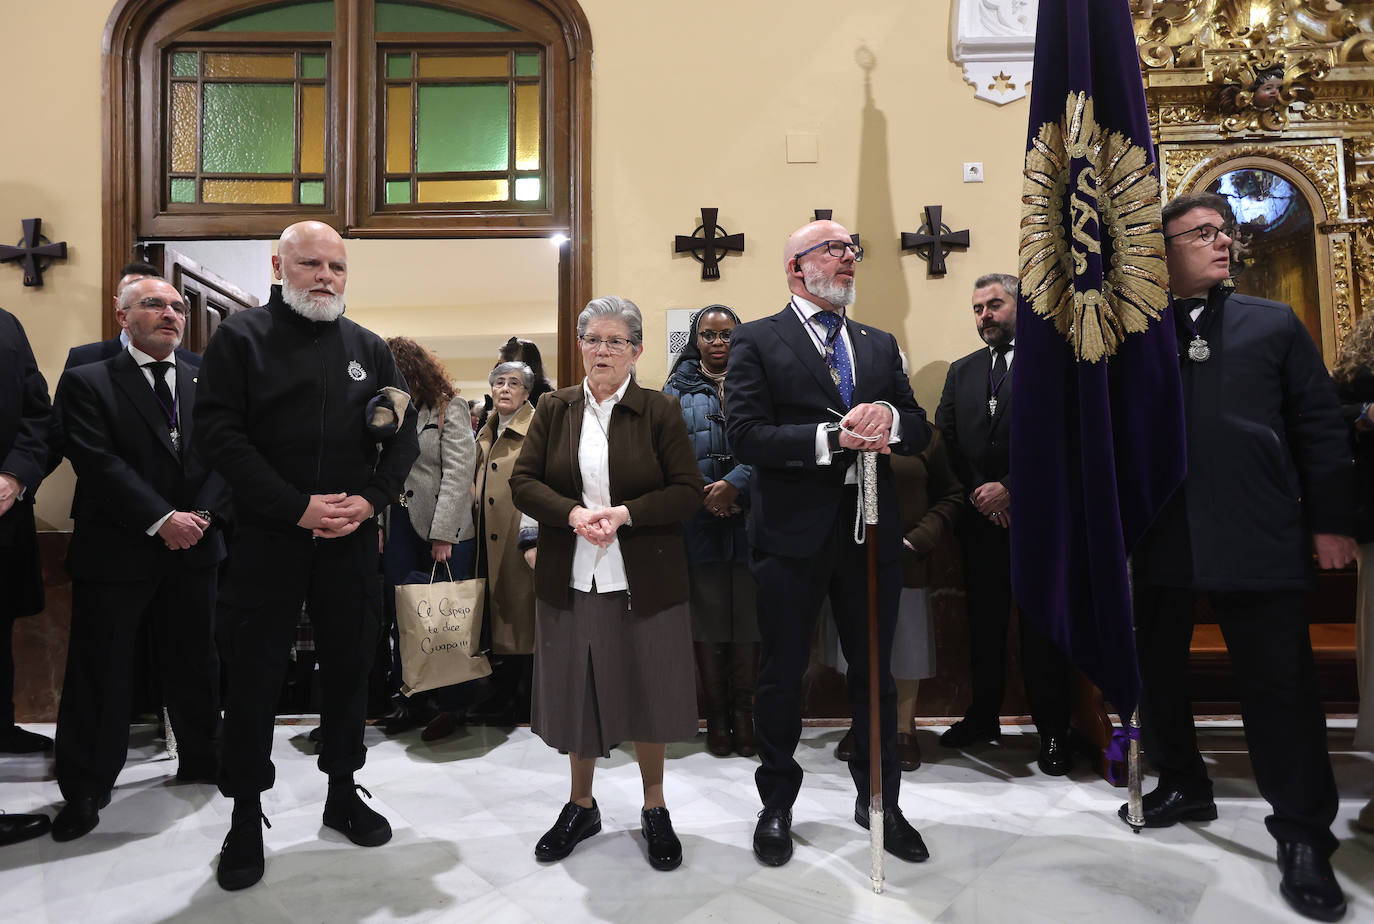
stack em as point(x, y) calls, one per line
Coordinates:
point(247, 128)
point(462, 128)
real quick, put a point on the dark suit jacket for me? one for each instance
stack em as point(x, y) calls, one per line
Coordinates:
point(653, 472)
point(102, 350)
point(28, 450)
point(978, 446)
point(1269, 462)
point(128, 473)
point(777, 390)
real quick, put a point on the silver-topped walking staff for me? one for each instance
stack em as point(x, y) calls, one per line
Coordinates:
point(868, 488)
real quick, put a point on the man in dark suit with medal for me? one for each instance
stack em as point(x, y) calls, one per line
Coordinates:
point(1269, 489)
point(145, 546)
point(805, 391)
point(974, 417)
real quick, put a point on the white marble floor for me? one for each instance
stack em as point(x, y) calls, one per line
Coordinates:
point(1008, 844)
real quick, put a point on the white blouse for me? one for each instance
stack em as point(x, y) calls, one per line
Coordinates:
point(594, 569)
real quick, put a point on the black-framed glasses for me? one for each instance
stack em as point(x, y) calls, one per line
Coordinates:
point(153, 303)
point(711, 336)
point(1205, 233)
point(613, 345)
point(835, 249)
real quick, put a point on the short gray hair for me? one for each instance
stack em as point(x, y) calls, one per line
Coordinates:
point(1005, 280)
point(526, 373)
point(614, 308)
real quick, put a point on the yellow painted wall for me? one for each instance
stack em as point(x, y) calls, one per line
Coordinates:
point(691, 107)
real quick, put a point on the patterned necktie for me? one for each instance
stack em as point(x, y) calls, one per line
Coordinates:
point(836, 355)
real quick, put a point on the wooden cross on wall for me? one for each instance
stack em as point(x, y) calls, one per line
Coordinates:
point(935, 241)
point(35, 251)
point(828, 215)
point(712, 241)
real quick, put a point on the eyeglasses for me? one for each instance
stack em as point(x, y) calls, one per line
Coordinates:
point(1205, 233)
point(711, 336)
point(835, 249)
point(613, 345)
point(153, 303)
point(512, 382)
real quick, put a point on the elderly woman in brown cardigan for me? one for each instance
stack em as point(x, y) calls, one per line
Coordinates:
point(609, 473)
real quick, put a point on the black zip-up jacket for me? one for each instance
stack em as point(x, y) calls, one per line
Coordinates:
point(280, 413)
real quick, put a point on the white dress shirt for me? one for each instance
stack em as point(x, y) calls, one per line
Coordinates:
point(594, 569)
point(170, 376)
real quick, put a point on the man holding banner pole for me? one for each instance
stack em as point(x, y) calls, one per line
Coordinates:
point(807, 390)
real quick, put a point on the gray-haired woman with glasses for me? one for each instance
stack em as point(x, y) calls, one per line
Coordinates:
point(609, 473)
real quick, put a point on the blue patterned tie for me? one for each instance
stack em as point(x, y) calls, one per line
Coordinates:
point(837, 355)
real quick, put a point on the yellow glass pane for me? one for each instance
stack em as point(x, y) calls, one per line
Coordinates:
point(312, 129)
point(250, 66)
point(463, 191)
point(257, 192)
point(464, 66)
point(398, 129)
point(184, 127)
point(527, 127)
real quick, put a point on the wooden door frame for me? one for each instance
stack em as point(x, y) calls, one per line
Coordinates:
point(129, 25)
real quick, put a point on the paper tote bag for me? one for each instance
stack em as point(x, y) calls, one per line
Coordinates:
point(439, 625)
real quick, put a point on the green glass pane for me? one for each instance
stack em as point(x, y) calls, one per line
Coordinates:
point(248, 128)
point(527, 65)
point(398, 192)
point(398, 65)
point(312, 192)
point(312, 65)
point(184, 64)
point(464, 128)
point(421, 17)
point(183, 190)
point(293, 17)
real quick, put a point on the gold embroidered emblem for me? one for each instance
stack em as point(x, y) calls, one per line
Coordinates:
point(1096, 289)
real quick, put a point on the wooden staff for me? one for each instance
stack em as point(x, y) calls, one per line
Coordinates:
point(868, 482)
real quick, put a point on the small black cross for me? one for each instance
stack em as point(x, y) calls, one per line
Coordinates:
point(712, 241)
point(936, 239)
point(827, 215)
point(33, 248)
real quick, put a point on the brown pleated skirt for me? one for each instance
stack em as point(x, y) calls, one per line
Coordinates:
point(603, 675)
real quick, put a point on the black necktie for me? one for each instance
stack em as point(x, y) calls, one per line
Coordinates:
point(999, 363)
point(164, 394)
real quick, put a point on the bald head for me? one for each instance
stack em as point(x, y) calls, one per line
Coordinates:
point(312, 264)
point(813, 272)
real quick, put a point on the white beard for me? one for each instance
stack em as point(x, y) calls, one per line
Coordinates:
point(835, 291)
point(312, 307)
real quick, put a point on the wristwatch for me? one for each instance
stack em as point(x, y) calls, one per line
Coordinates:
point(832, 437)
point(205, 515)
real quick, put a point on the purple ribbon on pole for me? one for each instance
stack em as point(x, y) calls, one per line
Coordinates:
point(1117, 750)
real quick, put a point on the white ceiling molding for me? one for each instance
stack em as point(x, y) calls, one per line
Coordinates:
point(994, 40)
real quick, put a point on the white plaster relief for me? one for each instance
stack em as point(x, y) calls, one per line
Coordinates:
point(994, 41)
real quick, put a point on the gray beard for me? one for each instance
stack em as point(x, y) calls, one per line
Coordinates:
point(837, 293)
point(312, 307)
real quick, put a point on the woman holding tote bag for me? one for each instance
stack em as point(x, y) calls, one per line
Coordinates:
point(609, 473)
point(432, 524)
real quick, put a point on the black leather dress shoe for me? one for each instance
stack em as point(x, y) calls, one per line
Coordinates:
point(1309, 886)
point(773, 837)
point(1165, 807)
point(16, 740)
point(1056, 755)
point(574, 825)
point(194, 771)
point(16, 828)
point(346, 813)
point(966, 732)
point(845, 749)
point(899, 838)
point(241, 861)
point(78, 817)
point(665, 850)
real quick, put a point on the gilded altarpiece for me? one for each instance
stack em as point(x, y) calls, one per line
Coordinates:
point(1277, 90)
